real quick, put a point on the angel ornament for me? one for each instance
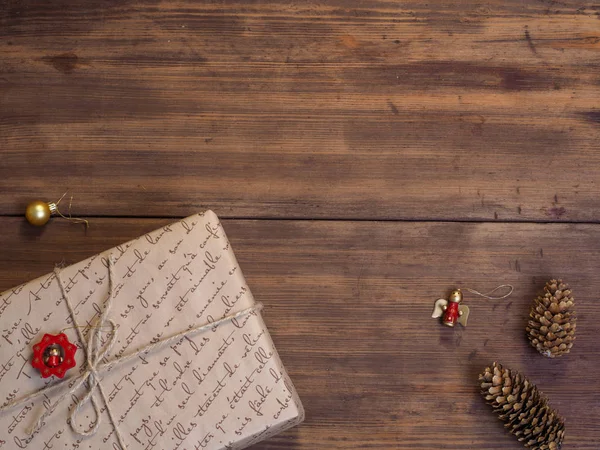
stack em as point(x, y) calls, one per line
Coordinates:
point(451, 309)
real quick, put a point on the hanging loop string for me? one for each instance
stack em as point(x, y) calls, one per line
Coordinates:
point(488, 294)
point(95, 352)
point(54, 209)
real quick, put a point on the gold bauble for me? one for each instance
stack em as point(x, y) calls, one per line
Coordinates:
point(38, 213)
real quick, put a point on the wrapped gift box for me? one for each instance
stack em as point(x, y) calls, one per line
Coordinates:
point(220, 388)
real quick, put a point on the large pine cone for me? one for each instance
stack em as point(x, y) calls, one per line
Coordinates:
point(551, 328)
point(524, 410)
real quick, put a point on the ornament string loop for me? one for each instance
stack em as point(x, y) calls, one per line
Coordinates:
point(54, 210)
point(489, 295)
point(95, 351)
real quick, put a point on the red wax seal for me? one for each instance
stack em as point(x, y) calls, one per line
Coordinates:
point(54, 355)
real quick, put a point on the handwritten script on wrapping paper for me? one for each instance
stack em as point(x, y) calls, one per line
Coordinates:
point(219, 389)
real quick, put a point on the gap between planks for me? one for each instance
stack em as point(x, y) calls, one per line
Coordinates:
point(342, 219)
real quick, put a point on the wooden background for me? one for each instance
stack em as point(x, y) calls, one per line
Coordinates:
point(366, 156)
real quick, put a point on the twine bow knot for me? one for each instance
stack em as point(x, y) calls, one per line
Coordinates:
point(95, 351)
point(90, 378)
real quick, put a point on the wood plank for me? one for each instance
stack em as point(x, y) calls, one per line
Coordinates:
point(349, 305)
point(341, 109)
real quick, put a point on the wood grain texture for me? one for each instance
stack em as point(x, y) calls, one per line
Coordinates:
point(417, 114)
point(378, 109)
point(349, 304)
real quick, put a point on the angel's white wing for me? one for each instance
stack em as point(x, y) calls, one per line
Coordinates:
point(438, 308)
point(462, 318)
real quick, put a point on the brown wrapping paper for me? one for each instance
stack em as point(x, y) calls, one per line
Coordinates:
point(223, 388)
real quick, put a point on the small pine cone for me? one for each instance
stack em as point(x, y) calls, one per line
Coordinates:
point(551, 326)
point(523, 409)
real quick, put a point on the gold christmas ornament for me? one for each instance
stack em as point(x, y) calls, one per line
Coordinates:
point(38, 213)
point(452, 310)
point(523, 409)
point(552, 320)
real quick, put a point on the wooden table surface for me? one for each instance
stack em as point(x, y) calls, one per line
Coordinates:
point(366, 156)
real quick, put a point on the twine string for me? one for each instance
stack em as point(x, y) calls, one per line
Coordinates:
point(72, 219)
point(95, 352)
point(489, 296)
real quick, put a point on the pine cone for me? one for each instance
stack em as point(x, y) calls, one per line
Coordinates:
point(551, 328)
point(522, 407)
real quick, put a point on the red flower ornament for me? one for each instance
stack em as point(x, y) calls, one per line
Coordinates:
point(54, 355)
